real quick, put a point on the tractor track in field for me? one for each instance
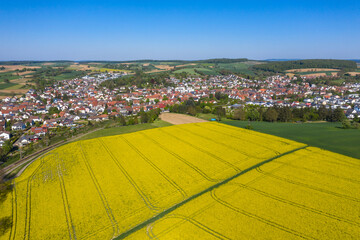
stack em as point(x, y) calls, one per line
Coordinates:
point(240, 138)
point(258, 218)
point(166, 177)
point(197, 224)
point(202, 150)
point(14, 213)
point(247, 155)
point(130, 179)
point(100, 193)
point(28, 202)
point(189, 164)
point(308, 186)
point(320, 172)
point(254, 133)
point(295, 204)
point(69, 221)
point(209, 189)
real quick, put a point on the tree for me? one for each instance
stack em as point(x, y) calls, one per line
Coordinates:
point(53, 110)
point(346, 124)
point(285, 114)
point(7, 147)
point(337, 115)
point(239, 114)
point(144, 117)
point(192, 110)
point(252, 113)
point(323, 112)
point(220, 112)
point(122, 120)
point(271, 115)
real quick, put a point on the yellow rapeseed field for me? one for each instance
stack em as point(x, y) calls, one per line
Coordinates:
point(225, 182)
point(308, 194)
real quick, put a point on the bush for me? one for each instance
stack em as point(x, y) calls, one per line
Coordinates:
point(346, 124)
point(5, 224)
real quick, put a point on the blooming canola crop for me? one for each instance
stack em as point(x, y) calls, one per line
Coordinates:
point(102, 188)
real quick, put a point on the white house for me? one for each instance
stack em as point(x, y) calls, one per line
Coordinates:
point(5, 135)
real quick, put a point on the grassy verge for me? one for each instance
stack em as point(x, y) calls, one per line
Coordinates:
point(125, 129)
point(329, 136)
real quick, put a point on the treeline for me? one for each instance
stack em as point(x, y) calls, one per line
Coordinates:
point(281, 66)
point(260, 113)
point(143, 117)
point(140, 79)
point(287, 114)
point(32, 62)
point(214, 60)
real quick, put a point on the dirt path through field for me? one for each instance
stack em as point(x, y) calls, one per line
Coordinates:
point(175, 118)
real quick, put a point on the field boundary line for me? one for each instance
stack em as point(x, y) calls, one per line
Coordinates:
point(209, 189)
point(153, 165)
point(130, 179)
point(203, 151)
point(100, 192)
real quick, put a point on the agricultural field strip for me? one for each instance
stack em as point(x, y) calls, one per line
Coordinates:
point(100, 193)
point(209, 189)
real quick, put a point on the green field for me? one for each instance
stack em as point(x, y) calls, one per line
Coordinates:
point(238, 67)
point(8, 86)
point(329, 136)
point(68, 75)
point(124, 129)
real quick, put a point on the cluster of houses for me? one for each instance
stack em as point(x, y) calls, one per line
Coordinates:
point(85, 99)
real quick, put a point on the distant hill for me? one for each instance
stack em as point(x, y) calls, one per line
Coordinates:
point(282, 66)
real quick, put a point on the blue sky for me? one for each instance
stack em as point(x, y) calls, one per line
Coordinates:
point(127, 30)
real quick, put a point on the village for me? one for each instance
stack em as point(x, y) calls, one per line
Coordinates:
point(71, 102)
